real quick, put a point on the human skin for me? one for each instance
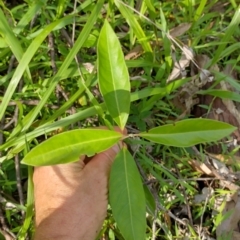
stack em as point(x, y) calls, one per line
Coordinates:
point(71, 199)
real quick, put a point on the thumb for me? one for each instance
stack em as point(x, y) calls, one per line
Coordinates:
point(102, 162)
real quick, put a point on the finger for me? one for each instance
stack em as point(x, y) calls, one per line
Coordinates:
point(102, 162)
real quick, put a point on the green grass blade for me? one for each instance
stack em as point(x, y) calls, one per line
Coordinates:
point(27, 121)
point(233, 26)
point(200, 9)
point(132, 21)
point(9, 37)
point(23, 64)
point(30, 206)
point(221, 94)
point(49, 127)
point(28, 16)
point(11, 40)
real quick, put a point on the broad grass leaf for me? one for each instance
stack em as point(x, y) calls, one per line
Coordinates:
point(189, 132)
point(69, 146)
point(113, 75)
point(222, 94)
point(127, 197)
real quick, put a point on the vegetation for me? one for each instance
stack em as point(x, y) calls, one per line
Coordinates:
point(147, 66)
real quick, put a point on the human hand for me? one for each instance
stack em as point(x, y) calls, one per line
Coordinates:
point(71, 199)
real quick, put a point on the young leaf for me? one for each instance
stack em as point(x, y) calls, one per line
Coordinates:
point(127, 197)
point(69, 146)
point(189, 132)
point(113, 75)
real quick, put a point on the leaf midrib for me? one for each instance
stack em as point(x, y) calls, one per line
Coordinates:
point(129, 202)
point(113, 83)
point(73, 145)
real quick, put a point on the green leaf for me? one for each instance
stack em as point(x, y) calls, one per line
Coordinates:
point(222, 94)
point(127, 197)
point(151, 8)
point(20, 141)
point(29, 15)
point(189, 132)
point(30, 117)
point(23, 64)
point(150, 201)
point(69, 146)
point(113, 75)
point(30, 203)
point(9, 37)
point(227, 36)
point(127, 13)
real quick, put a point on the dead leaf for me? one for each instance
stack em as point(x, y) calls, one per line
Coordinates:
point(207, 192)
point(134, 53)
point(200, 167)
point(180, 29)
point(181, 65)
point(221, 109)
point(226, 158)
point(231, 223)
point(221, 167)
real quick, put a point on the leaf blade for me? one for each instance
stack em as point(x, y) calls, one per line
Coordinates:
point(224, 94)
point(23, 64)
point(127, 197)
point(69, 146)
point(133, 23)
point(113, 75)
point(188, 132)
point(29, 118)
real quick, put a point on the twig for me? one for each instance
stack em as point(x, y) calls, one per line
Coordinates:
point(1, 132)
point(158, 204)
point(69, 41)
point(172, 39)
point(160, 207)
point(74, 21)
point(29, 103)
point(54, 66)
point(224, 182)
point(19, 185)
point(33, 21)
point(185, 179)
point(10, 67)
point(17, 162)
point(154, 235)
point(132, 130)
point(13, 120)
point(204, 208)
point(11, 63)
point(186, 199)
point(4, 228)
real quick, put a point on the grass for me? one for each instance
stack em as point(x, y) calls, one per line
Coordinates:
point(45, 90)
